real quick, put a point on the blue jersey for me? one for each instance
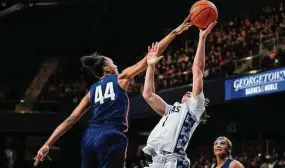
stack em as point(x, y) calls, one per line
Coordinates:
point(110, 103)
point(227, 163)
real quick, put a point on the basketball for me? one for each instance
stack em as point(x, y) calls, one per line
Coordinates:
point(203, 13)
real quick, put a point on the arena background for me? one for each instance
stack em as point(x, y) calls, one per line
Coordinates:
point(42, 80)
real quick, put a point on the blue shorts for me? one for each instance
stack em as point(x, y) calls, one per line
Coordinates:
point(103, 147)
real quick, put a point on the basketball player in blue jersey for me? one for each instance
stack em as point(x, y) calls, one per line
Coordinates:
point(169, 139)
point(222, 150)
point(104, 142)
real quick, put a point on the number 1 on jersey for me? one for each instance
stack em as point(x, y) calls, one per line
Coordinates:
point(164, 121)
point(109, 93)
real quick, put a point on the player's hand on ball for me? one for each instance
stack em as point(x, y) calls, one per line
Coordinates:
point(204, 33)
point(41, 154)
point(184, 26)
point(152, 55)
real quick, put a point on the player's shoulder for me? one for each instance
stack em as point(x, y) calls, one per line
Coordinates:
point(172, 106)
point(177, 104)
point(112, 76)
point(108, 78)
point(104, 80)
point(196, 100)
point(236, 164)
point(199, 96)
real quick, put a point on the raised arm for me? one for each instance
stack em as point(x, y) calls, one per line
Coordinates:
point(155, 101)
point(164, 43)
point(130, 72)
point(199, 61)
point(62, 128)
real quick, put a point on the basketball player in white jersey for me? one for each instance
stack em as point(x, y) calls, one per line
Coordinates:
point(169, 139)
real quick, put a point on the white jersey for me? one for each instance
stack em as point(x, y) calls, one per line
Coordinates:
point(173, 132)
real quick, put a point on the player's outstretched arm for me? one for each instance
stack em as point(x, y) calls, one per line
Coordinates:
point(155, 101)
point(164, 43)
point(236, 164)
point(62, 128)
point(132, 71)
point(199, 61)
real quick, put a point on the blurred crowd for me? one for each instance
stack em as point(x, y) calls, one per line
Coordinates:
point(69, 82)
point(16, 155)
point(261, 36)
point(258, 161)
point(230, 41)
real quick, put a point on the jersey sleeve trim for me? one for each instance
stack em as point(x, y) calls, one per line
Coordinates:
point(196, 105)
point(167, 108)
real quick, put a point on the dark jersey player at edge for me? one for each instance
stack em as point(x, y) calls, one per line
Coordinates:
point(223, 152)
point(104, 143)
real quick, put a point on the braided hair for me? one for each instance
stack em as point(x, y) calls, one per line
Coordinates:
point(95, 63)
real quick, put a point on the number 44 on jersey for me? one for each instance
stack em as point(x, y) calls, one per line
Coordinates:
point(109, 93)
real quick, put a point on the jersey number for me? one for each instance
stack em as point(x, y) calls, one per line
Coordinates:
point(109, 93)
point(164, 121)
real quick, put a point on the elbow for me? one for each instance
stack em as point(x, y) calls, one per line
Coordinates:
point(146, 95)
point(147, 92)
point(197, 69)
point(125, 74)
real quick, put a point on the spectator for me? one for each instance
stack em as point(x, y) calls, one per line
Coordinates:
point(232, 40)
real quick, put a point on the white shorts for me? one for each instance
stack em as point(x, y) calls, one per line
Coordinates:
point(170, 161)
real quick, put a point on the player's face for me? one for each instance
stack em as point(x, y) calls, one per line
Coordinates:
point(220, 147)
point(186, 97)
point(110, 66)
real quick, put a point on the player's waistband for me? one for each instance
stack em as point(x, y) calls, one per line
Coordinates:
point(169, 157)
point(163, 156)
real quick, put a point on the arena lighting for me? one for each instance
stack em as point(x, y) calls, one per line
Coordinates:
point(3, 4)
point(267, 157)
point(20, 6)
point(45, 3)
point(247, 58)
point(12, 9)
point(33, 3)
point(253, 72)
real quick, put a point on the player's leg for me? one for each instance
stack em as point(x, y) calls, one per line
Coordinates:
point(88, 156)
point(175, 163)
point(113, 149)
point(87, 159)
point(116, 157)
